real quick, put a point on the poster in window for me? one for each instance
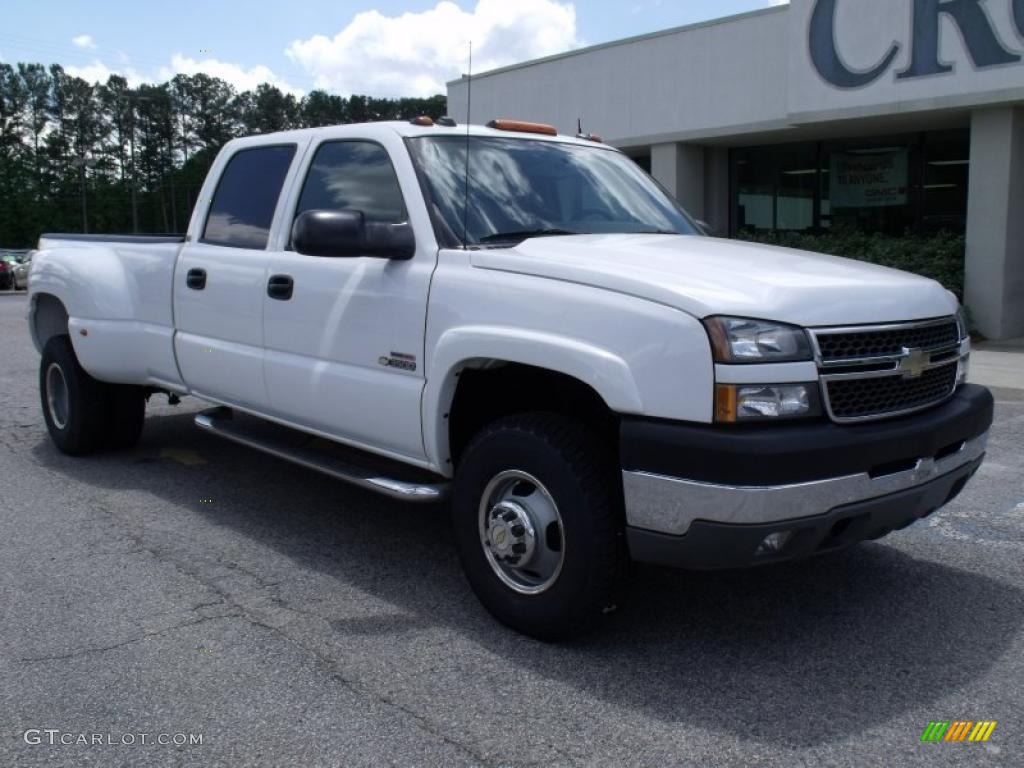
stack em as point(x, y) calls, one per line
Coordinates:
point(872, 180)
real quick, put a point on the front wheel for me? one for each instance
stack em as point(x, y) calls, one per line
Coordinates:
point(84, 414)
point(538, 525)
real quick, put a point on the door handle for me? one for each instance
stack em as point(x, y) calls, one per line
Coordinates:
point(280, 287)
point(196, 279)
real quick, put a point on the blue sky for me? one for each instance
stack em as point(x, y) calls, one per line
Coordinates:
point(379, 47)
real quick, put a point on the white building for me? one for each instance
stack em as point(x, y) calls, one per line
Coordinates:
point(879, 114)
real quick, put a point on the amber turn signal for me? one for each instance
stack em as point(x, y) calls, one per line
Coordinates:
point(725, 403)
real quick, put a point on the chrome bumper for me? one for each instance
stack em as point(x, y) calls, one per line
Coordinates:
point(669, 505)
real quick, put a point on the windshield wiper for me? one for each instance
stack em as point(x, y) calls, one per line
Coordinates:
point(526, 234)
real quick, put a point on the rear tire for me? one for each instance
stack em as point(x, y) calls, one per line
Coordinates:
point(83, 414)
point(550, 479)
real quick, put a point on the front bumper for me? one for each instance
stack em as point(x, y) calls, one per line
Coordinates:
point(707, 497)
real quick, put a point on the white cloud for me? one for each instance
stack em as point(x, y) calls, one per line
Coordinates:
point(98, 72)
point(416, 53)
point(243, 79)
point(84, 41)
point(778, 2)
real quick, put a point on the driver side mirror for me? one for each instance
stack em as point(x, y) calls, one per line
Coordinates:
point(348, 234)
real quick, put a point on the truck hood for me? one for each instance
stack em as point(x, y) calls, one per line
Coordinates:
point(710, 276)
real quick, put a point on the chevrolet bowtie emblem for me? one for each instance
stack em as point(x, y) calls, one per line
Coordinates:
point(913, 362)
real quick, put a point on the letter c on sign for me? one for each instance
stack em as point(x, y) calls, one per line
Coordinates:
point(826, 57)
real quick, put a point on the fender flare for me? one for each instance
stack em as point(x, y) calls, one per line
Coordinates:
point(602, 370)
point(91, 283)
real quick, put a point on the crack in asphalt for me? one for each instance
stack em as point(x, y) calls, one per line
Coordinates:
point(144, 636)
point(357, 687)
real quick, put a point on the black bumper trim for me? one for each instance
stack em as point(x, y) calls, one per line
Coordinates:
point(781, 454)
point(714, 546)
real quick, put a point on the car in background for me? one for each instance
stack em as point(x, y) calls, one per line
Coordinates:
point(7, 265)
point(21, 271)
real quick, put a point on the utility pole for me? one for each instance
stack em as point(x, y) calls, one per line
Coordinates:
point(131, 181)
point(133, 98)
point(85, 215)
point(82, 161)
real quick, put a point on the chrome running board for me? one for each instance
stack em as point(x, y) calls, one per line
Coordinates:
point(338, 461)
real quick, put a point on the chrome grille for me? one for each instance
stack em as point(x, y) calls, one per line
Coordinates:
point(857, 398)
point(890, 341)
point(873, 372)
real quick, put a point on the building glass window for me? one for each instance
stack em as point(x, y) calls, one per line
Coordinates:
point(755, 186)
point(644, 161)
point(946, 170)
point(795, 179)
point(870, 185)
point(886, 184)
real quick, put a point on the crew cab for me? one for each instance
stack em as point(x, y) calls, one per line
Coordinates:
point(526, 326)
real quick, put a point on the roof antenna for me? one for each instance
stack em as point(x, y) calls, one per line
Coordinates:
point(469, 114)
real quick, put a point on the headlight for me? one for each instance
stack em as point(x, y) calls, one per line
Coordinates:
point(961, 322)
point(964, 328)
point(741, 340)
point(758, 402)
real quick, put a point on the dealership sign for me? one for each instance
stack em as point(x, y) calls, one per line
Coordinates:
point(868, 180)
point(981, 39)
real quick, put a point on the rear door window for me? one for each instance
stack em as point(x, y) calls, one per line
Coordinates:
point(243, 205)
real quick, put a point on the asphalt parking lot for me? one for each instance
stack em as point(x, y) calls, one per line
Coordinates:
point(191, 586)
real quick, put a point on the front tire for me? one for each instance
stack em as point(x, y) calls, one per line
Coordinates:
point(83, 414)
point(538, 525)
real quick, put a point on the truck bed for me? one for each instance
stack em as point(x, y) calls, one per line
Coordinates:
point(119, 291)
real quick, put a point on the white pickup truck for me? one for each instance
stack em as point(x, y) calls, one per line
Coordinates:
point(540, 333)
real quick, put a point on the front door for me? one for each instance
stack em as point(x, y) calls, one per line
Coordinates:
point(344, 349)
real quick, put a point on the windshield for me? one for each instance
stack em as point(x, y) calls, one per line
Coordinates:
point(521, 188)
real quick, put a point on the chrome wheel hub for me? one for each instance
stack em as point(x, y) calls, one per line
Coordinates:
point(521, 532)
point(510, 533)
point(57, 396)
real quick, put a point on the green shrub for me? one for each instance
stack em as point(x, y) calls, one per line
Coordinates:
point(939, 256)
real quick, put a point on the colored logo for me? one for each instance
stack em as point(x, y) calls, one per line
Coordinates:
point(958, 730)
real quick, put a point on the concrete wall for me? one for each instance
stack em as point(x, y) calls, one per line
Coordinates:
point(721, 77)
point(757, 72)
point(698, 177)
point(995, 223)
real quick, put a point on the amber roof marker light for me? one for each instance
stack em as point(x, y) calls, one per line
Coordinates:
point(522, 126)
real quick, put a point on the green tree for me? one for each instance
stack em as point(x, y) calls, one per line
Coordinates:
point(143, 152)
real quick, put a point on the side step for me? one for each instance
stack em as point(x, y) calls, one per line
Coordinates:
point(347, 464)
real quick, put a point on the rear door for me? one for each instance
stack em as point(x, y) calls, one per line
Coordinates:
point(344, 350)
point(221, 279)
